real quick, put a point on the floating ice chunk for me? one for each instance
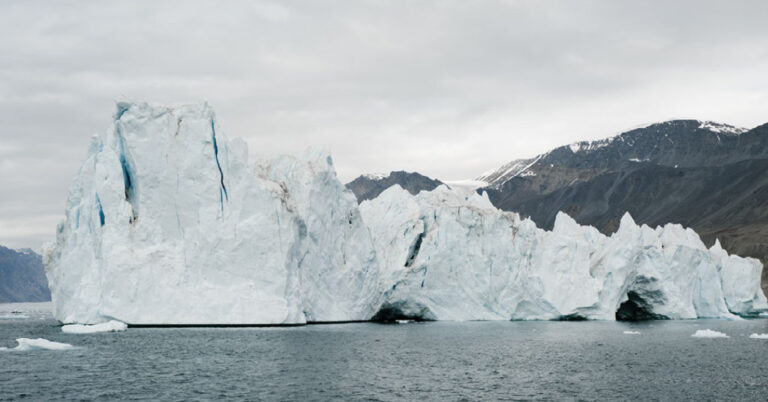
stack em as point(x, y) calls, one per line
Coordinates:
point(13, 316)
point(111, 326)
point(404, 321)
point(758, 336)
point(631, 332)
point(708, 333)
point(27, 344)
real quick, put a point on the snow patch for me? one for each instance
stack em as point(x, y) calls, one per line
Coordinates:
point(721, 128)
point(708, 333)
point(588, 146)
point(111, 326)
point(376, 176)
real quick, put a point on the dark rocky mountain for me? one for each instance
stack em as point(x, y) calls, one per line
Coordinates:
point(369, 186)
point(22, 277)
point(708, 176)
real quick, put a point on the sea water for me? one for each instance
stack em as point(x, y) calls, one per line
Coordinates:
point(405, 361)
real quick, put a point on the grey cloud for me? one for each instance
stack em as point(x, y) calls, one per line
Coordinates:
point(447, 88)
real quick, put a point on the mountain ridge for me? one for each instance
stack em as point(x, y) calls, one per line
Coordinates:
point(705, 175)
point(22, 277)
point(369, 186)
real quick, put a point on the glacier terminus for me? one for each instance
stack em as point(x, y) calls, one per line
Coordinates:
point(169, 222)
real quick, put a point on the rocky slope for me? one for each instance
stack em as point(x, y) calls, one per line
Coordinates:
point(369, 186)
point(704, 175)
point(22, 278)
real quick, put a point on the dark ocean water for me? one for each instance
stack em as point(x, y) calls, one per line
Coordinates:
point(417, 361)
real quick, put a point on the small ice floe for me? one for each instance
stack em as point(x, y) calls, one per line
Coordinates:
point(758, 336)
point(14, 315)
point(631, 332)
point(708, 333)
point(27, 344)
point(404, 321)
point(111, 326)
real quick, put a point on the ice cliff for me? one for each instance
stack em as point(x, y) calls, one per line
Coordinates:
point(168, 222)
point(448, 256)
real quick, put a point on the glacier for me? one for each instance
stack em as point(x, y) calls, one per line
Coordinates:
point(446, 255)
point(167, 222)
point(170, 222)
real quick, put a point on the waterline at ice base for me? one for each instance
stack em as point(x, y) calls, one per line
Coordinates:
point(170, 223)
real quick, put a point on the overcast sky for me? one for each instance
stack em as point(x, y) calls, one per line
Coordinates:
point(447, 88)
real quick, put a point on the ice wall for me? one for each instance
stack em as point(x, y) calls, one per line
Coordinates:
point(448, 256)
point(169, 222)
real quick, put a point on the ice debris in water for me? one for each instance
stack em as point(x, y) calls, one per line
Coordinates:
point(758, 336)
point(13, 316)
point(27, 344)
point(111, 326)
point(708, 333)
point(631, 332)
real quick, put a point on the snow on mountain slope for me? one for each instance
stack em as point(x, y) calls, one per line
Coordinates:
point(667, 143)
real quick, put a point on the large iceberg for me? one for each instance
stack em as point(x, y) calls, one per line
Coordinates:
point(168, 222)
point(446, 255)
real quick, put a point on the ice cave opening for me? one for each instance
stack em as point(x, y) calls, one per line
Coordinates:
point(635, 308)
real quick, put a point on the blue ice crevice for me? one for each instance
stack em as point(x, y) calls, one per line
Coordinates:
point(129, 177)
point(223, 189)
point(101, 210)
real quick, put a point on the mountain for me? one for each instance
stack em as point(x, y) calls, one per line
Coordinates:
point(22, 278)
point(705, 175)
point(369, 186)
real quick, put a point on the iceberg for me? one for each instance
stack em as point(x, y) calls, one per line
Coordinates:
point(445, 255)
point(110, 326)
point(169, 222)
point(758, 336)
point(27, 344)
point(708, 333)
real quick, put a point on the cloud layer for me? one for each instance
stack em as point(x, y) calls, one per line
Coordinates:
point(446, 88)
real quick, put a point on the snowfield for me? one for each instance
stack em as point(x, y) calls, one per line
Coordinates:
point(169, 222)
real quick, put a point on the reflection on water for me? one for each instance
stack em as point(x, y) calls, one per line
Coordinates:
point(431, 361)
